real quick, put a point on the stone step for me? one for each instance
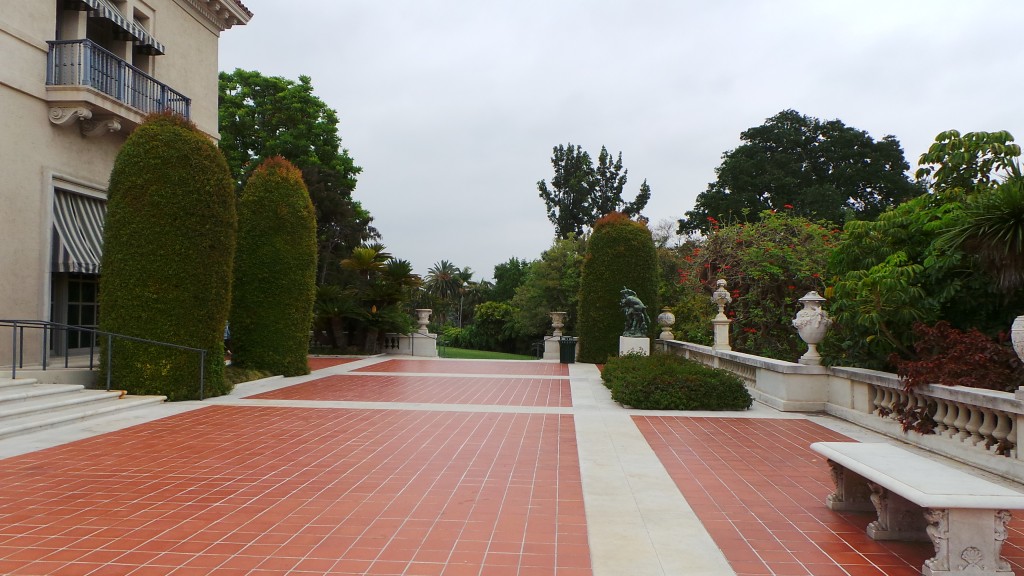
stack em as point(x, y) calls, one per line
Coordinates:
point(43, 403)
point(27, 406)
point(16, 391)
point(56, 416)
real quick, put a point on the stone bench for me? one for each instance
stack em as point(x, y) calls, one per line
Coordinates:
point(916, 498)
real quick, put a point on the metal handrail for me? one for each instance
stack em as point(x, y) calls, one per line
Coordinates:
point(18, 352)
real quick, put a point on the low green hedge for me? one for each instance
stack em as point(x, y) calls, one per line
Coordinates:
point(667, 382)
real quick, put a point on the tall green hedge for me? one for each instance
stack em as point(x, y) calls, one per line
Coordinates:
point(620, 253)
point(275, 271)
point(168, 246)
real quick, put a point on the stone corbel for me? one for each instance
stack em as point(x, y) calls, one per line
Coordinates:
point(63, 116)
point(100, 127)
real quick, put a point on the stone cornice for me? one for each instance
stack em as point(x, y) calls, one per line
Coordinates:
point(222, 14)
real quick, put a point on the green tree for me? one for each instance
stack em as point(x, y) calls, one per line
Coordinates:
point(580, 193)
point(275, 271)
point(263, 116)
point(823, 170)
point(508, 276)
point(552, 284)
point(374, 303)
point(926, 260)
point(620, 253)
point(169, 244)
point(969, 162)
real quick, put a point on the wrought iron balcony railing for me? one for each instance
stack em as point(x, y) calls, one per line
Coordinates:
point(84, 63)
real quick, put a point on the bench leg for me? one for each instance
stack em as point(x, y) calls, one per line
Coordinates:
point(967, 542)
point(898, 518)
point(852, 493)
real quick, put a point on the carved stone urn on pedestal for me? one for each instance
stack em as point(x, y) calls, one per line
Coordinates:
point(423, 318)
point(557, 322)
point(812, 323)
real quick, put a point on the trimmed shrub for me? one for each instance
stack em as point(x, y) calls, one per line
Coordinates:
point(275, 271)
point(169, 242)
point(667, 382)
point(620, 253)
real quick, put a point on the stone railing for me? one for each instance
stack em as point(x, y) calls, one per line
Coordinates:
point(974, 426)
point(414, 344)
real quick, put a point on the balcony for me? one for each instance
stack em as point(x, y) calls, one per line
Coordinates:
point(77, 69)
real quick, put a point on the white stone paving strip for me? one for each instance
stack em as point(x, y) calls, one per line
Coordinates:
point(638, 521)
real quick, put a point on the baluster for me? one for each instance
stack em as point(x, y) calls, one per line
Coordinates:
point(940, 414)
point(892, 399)
point(1002, 430)
point(957, 424)
point(987, 426)
point(1011, 438)
point(973, 426)
point(876, 400)
point(904, 401)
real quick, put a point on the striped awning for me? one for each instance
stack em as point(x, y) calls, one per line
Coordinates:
point(77, 232)
point(104, 9)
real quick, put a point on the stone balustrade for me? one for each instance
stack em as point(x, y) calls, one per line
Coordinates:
point(975, 426)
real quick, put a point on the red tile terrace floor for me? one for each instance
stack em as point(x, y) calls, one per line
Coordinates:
point(321, 362)
point(759, 491)
point(510, 367)
point(429, 389)
point(263, 491)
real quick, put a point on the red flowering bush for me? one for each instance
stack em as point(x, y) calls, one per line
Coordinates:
point(768, 265)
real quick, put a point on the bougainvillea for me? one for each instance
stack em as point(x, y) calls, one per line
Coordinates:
point(768, 265)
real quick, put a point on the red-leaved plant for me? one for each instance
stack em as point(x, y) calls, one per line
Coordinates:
point(954, 358)
point(946, 355)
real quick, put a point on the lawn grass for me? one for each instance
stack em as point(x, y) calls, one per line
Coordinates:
point(463, 353)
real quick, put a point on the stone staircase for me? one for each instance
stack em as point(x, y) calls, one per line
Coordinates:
point(27, 406)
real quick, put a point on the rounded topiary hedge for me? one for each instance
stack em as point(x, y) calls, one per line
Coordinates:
point(168, 246)
point(667, 382)
point(620, 253)
point(275, 271)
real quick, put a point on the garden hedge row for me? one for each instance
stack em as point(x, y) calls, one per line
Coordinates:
point(667, 382)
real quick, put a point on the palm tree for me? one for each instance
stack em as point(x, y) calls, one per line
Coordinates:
point(993, 230)
point(444, 280)
point(367, 260)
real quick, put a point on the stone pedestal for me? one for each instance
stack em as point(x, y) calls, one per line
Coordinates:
point(721, 325)
point(551, 349)
point(629, 345)
point(424, 345)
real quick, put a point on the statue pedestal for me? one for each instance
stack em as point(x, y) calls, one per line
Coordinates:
point(629, 345)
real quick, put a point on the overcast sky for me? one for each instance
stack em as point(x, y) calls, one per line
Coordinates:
point(452, 107)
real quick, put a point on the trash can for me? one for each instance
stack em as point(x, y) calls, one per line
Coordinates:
point(567, 349)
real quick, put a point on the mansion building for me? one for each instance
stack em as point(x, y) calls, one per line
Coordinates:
point(77, 76)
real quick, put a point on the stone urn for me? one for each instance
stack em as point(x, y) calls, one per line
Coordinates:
point(721, 298)
point(557, 322)
point(812, 323)
point(1017, 336)
point(423, 318)
point(666, 320)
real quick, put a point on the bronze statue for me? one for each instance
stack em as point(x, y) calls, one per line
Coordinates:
point(636, 314)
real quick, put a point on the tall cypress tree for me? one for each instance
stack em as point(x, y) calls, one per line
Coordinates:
point(169, 243)
point(620, 253)
point(275, 271)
